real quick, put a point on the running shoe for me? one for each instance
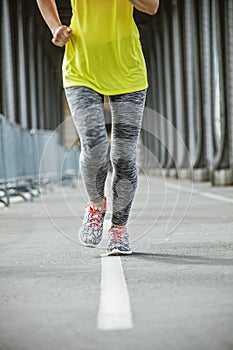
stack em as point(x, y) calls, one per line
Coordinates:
point(91, 231)
point(118, 243)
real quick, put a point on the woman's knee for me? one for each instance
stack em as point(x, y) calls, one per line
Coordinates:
point(125, 168)
point(95, 150)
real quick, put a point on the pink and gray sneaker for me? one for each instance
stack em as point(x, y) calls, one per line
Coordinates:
point(91, 232)
point(118, 242)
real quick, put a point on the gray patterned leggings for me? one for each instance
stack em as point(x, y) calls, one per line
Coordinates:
point(87, 110)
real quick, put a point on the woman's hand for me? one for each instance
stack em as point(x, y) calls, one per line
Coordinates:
point(61, 35)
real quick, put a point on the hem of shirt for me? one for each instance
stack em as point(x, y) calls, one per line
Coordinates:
point(107, 92)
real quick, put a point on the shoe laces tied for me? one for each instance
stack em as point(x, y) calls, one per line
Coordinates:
point(95, 216)
point(117, 234)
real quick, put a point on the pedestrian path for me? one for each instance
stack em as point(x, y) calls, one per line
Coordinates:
point(174, 292)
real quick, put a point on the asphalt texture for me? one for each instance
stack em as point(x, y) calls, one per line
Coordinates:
point(179, 278)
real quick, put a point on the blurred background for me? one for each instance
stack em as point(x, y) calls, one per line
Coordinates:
point(188, 48)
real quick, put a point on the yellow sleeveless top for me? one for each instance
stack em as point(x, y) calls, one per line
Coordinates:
point(104, 52)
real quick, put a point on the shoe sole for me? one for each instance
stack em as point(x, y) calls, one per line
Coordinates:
point(117, 252)
point(90, 245)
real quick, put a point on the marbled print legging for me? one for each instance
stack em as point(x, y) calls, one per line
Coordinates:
point(87, 110)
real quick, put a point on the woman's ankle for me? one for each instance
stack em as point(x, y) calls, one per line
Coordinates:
point(119, 226)
point(97, 205)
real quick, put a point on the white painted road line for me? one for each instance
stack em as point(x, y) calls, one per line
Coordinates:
point(216, 197)
point(203, 194)
point(114, 308)
point(180, 188)
point(107, 224)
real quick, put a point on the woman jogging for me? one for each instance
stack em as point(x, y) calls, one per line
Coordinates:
point(103, 56)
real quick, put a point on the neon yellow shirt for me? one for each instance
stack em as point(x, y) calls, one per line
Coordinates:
point(104, 52)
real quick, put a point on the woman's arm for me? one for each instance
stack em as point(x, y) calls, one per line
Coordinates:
point(61, 33)
point(148, 6)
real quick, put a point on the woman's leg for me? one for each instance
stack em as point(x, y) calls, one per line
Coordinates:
point(88, 114)
point(87, 111)
point(127, 111)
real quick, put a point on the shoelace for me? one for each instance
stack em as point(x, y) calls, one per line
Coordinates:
point(117, 234)
point(95, 217)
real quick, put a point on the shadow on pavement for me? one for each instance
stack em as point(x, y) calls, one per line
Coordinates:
point(182, 259)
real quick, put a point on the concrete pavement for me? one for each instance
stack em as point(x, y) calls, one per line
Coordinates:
point(180, 284)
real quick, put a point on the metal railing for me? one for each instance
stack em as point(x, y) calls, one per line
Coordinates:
point(31, 159)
